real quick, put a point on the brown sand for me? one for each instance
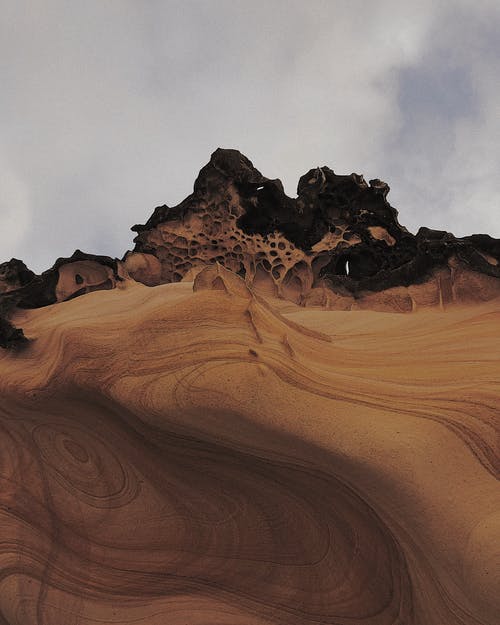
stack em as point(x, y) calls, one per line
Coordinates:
point(211, 458)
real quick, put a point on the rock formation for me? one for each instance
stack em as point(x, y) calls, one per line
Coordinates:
point(193, 453)
point(338, 245)
point(248, 442)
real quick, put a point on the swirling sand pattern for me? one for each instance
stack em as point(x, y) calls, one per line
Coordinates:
point(170, 457)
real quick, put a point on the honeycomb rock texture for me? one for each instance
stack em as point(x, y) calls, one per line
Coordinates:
point(337, 245)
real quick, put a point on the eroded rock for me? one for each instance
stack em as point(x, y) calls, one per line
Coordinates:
point(339, 234)
point(338, 245)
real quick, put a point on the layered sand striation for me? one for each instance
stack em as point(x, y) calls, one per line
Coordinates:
point(234, 424)
point(202, 453)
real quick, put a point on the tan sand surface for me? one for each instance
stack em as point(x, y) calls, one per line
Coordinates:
point(199, 455)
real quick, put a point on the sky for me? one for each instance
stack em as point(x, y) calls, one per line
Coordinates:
point(109, 108)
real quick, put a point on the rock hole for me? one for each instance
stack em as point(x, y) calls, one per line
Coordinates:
point(342, 266)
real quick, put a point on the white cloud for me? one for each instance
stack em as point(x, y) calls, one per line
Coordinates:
point(109, 109)
point(14, 211)
point(446, 153)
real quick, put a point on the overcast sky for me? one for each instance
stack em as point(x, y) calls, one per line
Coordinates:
point(109, 108)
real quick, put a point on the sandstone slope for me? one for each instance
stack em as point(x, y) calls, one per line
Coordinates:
point(234, 424)
point(193, 453)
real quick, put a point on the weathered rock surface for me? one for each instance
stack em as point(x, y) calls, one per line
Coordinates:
point(205, 452)
point(197, 453)
point(338, 245)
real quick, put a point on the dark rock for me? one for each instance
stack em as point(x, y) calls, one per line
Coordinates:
point(14, 274)
point(372, 252)
point(10, 336)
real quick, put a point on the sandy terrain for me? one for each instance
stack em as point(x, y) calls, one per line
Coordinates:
point(207, 457)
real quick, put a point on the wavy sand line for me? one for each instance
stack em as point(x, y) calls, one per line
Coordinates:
point(180, 457)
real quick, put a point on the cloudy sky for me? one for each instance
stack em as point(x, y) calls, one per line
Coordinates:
point(109, 108)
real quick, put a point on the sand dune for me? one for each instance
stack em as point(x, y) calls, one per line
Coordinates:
point(197, 454)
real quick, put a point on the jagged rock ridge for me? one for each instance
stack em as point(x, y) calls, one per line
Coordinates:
point(338, 245)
